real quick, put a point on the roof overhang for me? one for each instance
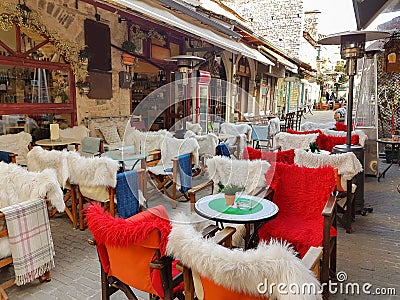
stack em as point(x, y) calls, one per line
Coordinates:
point(367, 11)
point(289, 65)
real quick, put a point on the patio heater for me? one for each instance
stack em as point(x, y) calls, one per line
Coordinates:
point(185, 64)
point(352, 47)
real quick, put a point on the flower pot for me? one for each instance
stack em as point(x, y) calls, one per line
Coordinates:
point(229, 199)
point(127, 59)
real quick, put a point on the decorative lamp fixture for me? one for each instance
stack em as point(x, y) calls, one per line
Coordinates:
point(392, 47)
point(185, 64)
point(97, 15)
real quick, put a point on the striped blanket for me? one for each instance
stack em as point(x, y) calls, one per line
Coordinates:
point(30, 239)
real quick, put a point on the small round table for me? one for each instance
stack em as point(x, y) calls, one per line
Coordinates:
point(61, 143)
point(395, 145)
point(213, 207)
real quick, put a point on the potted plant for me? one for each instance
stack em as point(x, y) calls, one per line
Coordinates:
point(83, 57)
point(314, 147)
point(83, 86)
point(129, 48)
point(230, 192)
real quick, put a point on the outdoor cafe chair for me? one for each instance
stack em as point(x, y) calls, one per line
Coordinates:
point(8, 157)
point(172, 176)
point(216, 272)
point(260, 134)
point(132, 253)
point(307, 212)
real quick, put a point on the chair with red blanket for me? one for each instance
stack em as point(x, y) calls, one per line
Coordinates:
point(327, 142)
point(132, 253)
point(307, 211)
point(286, 156)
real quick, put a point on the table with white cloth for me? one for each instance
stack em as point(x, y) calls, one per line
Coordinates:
point(257, 213)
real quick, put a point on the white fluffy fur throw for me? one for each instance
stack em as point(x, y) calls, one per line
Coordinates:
point(274, 126)
point(248, 173)
point(362, 136)
point(92, 171)
point(313, 126)
point(172, 147)
point(145, 141)
point(288, 141)
point(207, 142)
point(237, 129)
point(40, 159)
point(16, 143)
point(347, 163)
point(77, 133)
point(19, 185)
point(239, 270)
point(195, 127)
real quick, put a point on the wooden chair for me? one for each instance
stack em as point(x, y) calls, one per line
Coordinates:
point(95, 180)
point(307, 212)
point(216, 272)
point(137, 257)
point(177, 159)
point(8, 157)
point(19, 143)
point(261, 134)
point(92, 146)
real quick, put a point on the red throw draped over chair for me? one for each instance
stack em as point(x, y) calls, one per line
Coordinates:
point(306, 211)
point(303, 132)
point(132, 253)
point(327, 142)
point(286, 156)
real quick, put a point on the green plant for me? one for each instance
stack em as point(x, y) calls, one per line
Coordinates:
point(128, 46)
point(82, 84)
point(396, 132)
point(230, 189)
point(314, 147)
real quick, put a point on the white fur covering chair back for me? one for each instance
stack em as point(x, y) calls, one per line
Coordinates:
point(145, 141)
point(172, 147)
point(39, 159)
point(19, 185)
point(237, 129)
point(347, 163)
point(238, 270)
point(248, 173)
point(207, 142)
point(288, 141)
point(77, 133)
point(195, 127)
point(274, 126)
point(16, 143)
point(92, 171)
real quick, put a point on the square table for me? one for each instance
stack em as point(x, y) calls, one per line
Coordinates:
point(127, 157)
point(213, 207)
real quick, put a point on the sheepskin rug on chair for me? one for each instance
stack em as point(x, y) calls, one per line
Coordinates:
point(238, 270)
point(18, 185)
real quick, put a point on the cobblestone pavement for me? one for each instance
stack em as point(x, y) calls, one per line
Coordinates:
point(371, 254)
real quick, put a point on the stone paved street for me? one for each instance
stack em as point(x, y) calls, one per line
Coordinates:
point(371, 254)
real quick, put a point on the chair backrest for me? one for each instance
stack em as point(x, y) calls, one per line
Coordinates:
point(232, 273)
point(92, 146)
point(127, 246)
point(285, 156)
point(260, 133)
point(8, 157)
point(327, 142)
point(295, 185)
point(16, 143)
point(238, 172)
point(287, 141)
point(173, 147)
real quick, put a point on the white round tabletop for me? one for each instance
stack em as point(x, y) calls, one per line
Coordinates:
point(213, 207)
point(55, 143)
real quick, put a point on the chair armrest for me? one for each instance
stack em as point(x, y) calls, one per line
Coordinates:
point(329, 206)
point(200, 187)
point(225, 236)
point(312, 257)
point(210, 230)
point(92, 242)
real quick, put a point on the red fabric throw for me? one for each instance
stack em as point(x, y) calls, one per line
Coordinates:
point(286, 156)
point(340, 126)
point(291, 131)
point(301, 194)
point(118, 232)
point(327, 142)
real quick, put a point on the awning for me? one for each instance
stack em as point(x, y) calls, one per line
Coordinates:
point(290, 66)
point(367, 10)
point(161, 14)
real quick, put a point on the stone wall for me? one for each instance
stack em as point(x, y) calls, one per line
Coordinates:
point(279, 21)
point(68, 20)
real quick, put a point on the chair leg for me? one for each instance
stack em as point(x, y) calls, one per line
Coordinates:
point(81, 223)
